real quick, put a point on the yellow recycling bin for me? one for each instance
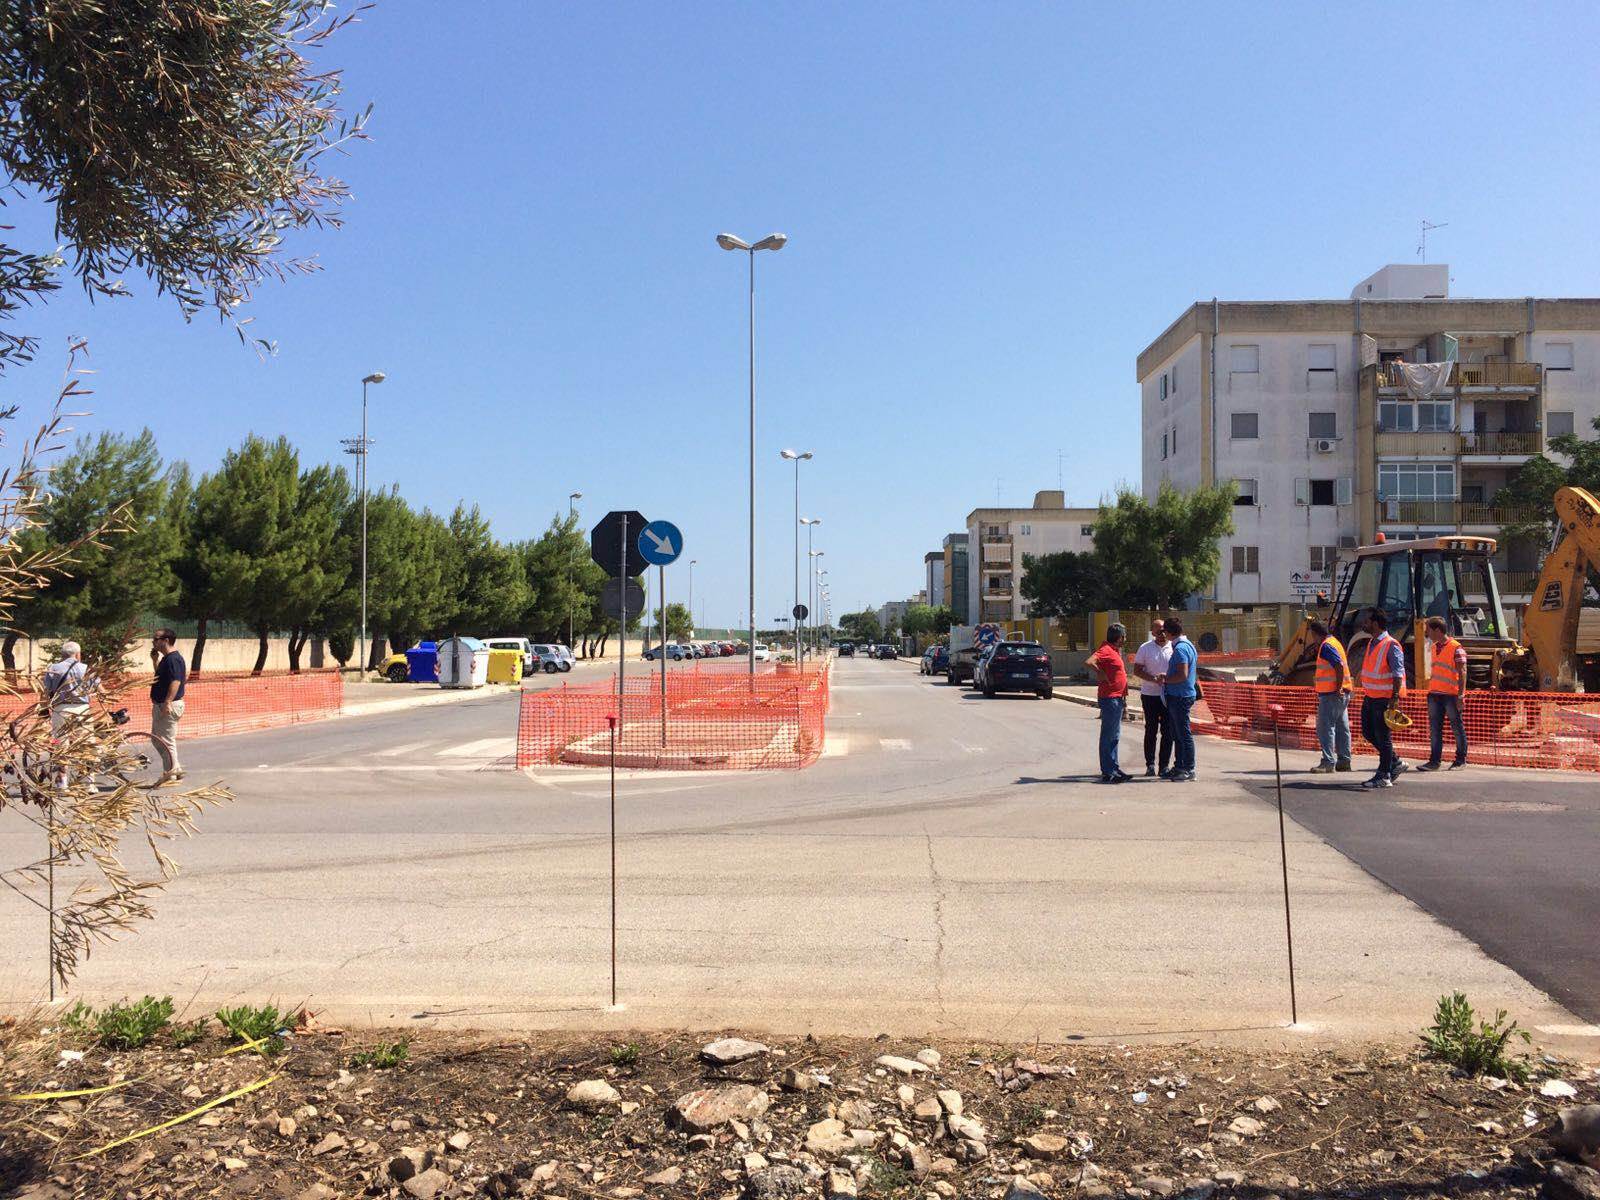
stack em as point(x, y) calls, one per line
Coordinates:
point(505, 666)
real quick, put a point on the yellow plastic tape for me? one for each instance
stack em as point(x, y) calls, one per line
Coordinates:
point(248, 1045)
point(95, 1091)
point(194, 1112)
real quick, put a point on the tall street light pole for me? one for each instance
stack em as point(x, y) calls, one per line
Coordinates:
point(796, 456)
point(773, 241)
point(810, 523)
point(692, 562)
point(359, 447)
point(572, 511)
point(812, 556)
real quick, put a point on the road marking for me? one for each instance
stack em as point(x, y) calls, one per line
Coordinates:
point(837, 746)
point(973, 749)
point(900, 744)
point(483, 748)
point(1583, 1031)
point(396, 751)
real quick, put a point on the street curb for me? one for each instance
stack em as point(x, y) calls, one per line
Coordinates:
point(426, 699)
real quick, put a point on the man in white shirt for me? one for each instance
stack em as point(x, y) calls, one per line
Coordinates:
point(66, 686)
point(1150, 664)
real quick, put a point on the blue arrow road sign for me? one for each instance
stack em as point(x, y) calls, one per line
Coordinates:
point(660, 543)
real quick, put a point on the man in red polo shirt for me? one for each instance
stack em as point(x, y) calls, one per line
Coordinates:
point(1113, 672)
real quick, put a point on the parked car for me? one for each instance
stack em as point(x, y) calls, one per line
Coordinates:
point(762, 653)
point(396, 668)
point(1015, 667)
point(550, 659)
point(934, 660)
point(729, 649)
point(530, 660)
point(566, 655)
point(847, 649)
point(675, 652)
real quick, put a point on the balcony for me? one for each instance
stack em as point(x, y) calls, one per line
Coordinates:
point(1451, 512)
point(1495, 376)
point(1508, 442)
point(997, 553)
point(997, 594)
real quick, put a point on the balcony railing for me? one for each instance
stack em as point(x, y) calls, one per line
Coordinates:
point(1496, 374)
point(1451, 512)
point(997, 555)
point(1516, 583)
point(1500, 443)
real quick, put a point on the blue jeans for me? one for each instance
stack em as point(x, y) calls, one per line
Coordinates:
point(1333, 727)
point(1182, 738)
point(1110, 733)
point(1441, 705)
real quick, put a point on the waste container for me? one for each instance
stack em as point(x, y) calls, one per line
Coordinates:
point(422, 663)
point(463, 663)
point(505, 666)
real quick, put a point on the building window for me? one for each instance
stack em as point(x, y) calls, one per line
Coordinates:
point(1425, 416)
point(1174, 439)
point(1322, 492)
point(1416, 481)
point(1320, 357)
point(1244, 360)
point(1324, 425)
point(1086, 530)
point(1557, 423)
point(1163, 446)
point(1027, 530)
point(1173, 390)
point(1324, 557)
point(1163, 385)
point(1247, 560)
point(1245, 425)
point(994, 531)
point(1245, 495)
point(1558, 356)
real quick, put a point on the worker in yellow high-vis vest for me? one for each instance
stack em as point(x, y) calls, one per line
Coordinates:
point(1447, 692)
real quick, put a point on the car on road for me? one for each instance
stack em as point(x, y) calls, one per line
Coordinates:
point(847, 650)
point(885, 650)
point(530, 660)
point(566, 655)
point(675, 652)
point(763, 654)
point(550, 658)
point(1015, 667)
point(728, 649)
point(934, 660)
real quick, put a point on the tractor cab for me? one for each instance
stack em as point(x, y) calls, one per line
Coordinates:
point(1449, 577)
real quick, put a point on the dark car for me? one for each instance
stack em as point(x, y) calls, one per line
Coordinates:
point(1015, 667)
point(934, 660)
point(847, 649)
point(885, 650)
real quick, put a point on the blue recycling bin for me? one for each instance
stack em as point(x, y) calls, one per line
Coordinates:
point(422, 663)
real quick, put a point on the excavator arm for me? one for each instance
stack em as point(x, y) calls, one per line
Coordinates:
point(1550, 625)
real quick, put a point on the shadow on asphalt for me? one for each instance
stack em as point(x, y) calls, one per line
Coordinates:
point(1092, 777)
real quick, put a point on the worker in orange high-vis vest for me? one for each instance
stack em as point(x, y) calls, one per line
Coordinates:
point(1447, 692)
point(1383, 685)
point(1333, 700)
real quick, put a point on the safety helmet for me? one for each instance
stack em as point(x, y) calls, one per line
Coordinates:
point(1394, 718)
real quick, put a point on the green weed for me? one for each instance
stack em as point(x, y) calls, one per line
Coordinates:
point(625, 1055)
point(888, 1178)
point(1475, 1046)
point(187, 1033)
point(383, 1056)
point(248, 1023)
point(120, 1026)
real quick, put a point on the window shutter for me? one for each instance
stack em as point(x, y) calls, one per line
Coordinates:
point(1344, 490)
point(1302, 491)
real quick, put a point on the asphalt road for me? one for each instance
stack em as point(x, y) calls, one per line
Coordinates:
point(946, 867)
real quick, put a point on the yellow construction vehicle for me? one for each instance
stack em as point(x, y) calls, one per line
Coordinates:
point(1452, 577)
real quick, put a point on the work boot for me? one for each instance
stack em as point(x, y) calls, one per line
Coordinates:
point(1344, 765)
point(1430, 765)
point(1458, 764)
point(1323, 768)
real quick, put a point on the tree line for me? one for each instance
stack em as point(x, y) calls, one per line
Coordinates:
point(274, 545)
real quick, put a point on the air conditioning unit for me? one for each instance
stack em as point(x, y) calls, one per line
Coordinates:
point(1324, 445)
point(1347, 541)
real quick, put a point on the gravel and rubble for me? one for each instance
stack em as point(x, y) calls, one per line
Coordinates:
point(628, 1116)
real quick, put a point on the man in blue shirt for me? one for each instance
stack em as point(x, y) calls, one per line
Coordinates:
point(1178, 686)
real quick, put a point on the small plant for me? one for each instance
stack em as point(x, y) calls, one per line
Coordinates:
point(78, 1019)
point(888, 1178)
point(247, 1023)
point(382, 1057)
point(187, 1033)
point(120, 1026)
point(1475, 1046)
point(1031, 1117)
point(625, 1055)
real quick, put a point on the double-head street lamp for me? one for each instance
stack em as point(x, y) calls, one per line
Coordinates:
point(796, 456)
point(572, 511)
point(692, 562)
point(359, 447)
point(810, 523)
point(773, 241)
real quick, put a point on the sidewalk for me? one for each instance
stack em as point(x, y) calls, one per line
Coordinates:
point(363, 699)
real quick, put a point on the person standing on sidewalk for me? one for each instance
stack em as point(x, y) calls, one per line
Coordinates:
point(66, 687)
point(1333, 701)
point(1383, 686)
point(1149, 664)
point(1447, 692)
point(166, 702)
point(1179, 694)
point(1113, 695)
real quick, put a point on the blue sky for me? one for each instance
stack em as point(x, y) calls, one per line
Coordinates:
point(991, 210)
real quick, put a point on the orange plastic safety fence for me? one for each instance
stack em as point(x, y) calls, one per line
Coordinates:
point(718, 719)
point(1542, 730)
point(228, 702)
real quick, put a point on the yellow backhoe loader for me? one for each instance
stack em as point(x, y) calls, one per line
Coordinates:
point(1452, 577)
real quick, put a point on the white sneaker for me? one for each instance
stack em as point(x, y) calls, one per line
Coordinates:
point(1377, 781)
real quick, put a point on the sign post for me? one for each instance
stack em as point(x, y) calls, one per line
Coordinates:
point(612, 548)
point(660, 543)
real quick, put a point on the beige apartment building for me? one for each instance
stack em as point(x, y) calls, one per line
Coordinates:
point(1303, 404)
point(997, 540)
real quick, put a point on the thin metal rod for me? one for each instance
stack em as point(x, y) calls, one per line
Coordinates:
point(661, 580)
point(614, 858)
point(799, 652)
point(1283, 855)
point(570, 515)
point(50, 892)
point(362, 463)
point(622, 620)
point(752, 255)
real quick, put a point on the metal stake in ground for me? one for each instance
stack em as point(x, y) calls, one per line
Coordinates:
point(613, 723)
point(1283, 856)
point(661, 580)
point(622, 651)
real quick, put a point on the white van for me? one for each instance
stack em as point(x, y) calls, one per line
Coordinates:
point(521, 645)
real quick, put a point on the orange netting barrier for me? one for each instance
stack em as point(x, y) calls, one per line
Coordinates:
point(219, 702)
point(712, 720)
point(1543, 730)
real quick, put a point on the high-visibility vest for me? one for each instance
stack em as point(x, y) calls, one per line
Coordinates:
point(1443, 678)
point(1326, 675)
point(1377, 680)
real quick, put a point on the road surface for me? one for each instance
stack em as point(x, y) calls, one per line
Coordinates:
point(947, 867)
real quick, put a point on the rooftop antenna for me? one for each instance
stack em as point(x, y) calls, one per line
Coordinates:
point(997, 491)
point(1059, 484)
point(1422, 245)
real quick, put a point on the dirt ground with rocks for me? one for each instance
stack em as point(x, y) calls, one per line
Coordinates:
point(652, 1115)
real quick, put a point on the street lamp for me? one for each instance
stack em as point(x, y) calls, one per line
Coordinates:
point(692, 562)
point(773, 241)
point(810, 523)
point(796, 456)
point(571, 512)
point(816, 574)
point(359, 447)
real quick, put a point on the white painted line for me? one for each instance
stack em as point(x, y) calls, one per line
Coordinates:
point(482, 748)
point(837, 746)
point(973, 749)
point(900, 744)
point(1583, 1031)
point(397, 751)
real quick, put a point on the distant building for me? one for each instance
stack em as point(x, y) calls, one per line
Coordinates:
point(933, 568)
point(1003, 536)
point(893, 614)
point(1303, 404)
point(955, 577)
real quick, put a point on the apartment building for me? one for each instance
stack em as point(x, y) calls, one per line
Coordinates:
point(1304, 405)
point(1003, 536)
point(933, 572)
point(955, 577)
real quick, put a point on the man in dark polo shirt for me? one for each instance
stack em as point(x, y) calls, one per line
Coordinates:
point(166, 702)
